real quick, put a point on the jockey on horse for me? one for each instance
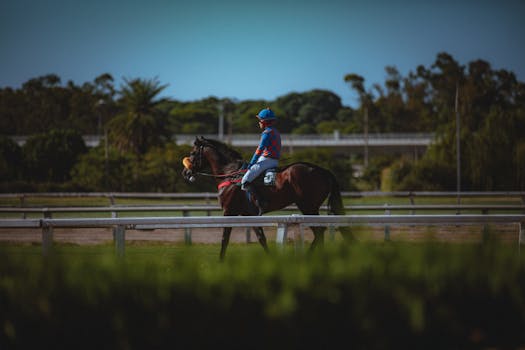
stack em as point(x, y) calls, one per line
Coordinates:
point(266, 156)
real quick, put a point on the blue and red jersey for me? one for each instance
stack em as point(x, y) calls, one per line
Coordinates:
point(269, 146)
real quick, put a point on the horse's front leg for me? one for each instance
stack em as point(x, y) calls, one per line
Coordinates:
point(259, 232)
point(226, 233)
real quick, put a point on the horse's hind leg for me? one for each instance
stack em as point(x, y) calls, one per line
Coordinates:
point(259, 232)
point(318, 237)
point(226, 233)
point(319, 231)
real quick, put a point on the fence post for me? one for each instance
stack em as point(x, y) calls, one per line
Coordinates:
point(187, 230)
point(47, 239)
point(387, 227)
point(486, 232)
point(47, 235)
point(114, 214)
point(412, 204)
point(22, 204)
point(299, 243)
point(331, 233)
point(119, 235)
point(248, 235)
point(521, 236)
point(282, 233)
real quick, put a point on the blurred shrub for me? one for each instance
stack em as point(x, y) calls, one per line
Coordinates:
point(366, 296)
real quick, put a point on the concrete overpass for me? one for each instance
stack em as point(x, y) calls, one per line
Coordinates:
point(406, 143)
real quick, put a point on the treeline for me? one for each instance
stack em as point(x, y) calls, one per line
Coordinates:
point(139, 124)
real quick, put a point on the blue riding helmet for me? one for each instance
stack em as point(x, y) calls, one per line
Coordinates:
point(266, 114)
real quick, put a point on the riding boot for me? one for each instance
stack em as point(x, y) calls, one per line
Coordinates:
point(259, 200)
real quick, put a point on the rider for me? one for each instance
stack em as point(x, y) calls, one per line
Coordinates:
point(266, 155)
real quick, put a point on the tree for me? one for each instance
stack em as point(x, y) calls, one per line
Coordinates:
point(492, 126)
point(367, 108)
point(141, 124)
point(191, 120)
point(10, 159)
point(302, 112)
point(161, 169)
point(96, 172)
point(52, 155)
point(391, 106)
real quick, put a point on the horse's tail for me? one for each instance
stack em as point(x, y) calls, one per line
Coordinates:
point(336, 206)
point(335, 201)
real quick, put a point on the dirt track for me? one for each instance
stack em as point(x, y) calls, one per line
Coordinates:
point(91, 236)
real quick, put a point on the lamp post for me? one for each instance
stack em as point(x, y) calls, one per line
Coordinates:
point(221, 120)
point(366, 137)
point(101, 104)
point(458, 149)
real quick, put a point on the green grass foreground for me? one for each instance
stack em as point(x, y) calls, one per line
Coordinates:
point(368, 295)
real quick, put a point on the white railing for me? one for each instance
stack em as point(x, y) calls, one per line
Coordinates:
point(282, 222)
point(186, 210)
point(213, 195)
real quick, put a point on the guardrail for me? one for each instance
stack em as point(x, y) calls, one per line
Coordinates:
point(111, 196)
point(283, 222)
point(185, 210)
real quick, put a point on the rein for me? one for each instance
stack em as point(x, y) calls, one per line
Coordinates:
point(220, 176)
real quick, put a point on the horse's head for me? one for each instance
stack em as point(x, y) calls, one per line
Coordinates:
point(196, 160)
point(208, 153)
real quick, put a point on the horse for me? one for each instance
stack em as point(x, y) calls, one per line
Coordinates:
point(305, 184)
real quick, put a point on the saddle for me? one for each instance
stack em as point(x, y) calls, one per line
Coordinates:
point(266, 178)
point(270, 175)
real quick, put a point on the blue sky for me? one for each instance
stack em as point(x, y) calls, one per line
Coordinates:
point(252, 49)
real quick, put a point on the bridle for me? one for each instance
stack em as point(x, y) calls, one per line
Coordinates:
point(192, 157)
point(199, 165)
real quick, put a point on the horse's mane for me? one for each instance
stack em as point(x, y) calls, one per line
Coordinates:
point(226, 151)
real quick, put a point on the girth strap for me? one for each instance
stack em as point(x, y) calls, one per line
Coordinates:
point(227, 183)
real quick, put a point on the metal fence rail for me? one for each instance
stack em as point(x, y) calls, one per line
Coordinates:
point(186, 210)
point(282, 222)
point(213, 195)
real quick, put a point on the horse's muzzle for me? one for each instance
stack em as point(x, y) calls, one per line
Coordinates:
point(187, 174)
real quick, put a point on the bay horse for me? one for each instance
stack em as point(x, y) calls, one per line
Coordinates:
point(307, 185)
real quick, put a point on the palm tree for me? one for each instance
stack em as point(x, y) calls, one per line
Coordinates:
point(141, 124)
